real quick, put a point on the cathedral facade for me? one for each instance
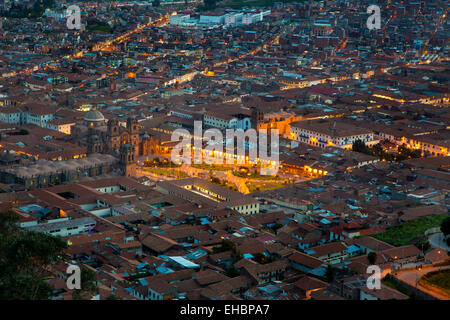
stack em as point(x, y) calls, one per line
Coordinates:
point(109, 136)
point(103, 136)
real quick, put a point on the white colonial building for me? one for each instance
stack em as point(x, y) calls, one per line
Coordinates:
point(323, 134)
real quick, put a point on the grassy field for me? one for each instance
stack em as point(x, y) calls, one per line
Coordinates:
point(440, 279)
point(224, 183)
point(213, 167)
point(254, 176)
point(261, 186)
point(166, 172)
point(406, 232)
point(98, 26)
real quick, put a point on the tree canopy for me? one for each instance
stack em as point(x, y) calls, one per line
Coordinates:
point(23, 255)
point(23, 10)
point(88, 285)
point(403, 151)
point(372, 257)
point(445, 226)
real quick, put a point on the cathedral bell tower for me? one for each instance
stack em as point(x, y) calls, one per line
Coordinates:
point(257, 117)
point(127, 160)
point(113, 135)
point(94, 143)
point(132, 125)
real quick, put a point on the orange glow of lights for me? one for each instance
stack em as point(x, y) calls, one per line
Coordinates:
point(62, 213)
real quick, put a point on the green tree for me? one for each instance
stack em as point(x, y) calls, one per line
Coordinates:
point(404, 153)
point(423, 245)
point(445, 227)
point(24, 10)
point(372, 257)
point(276, 226)
point(377, 150)
point(232, 272)
point(23, 255)
point(263, 259)
point(224, 246)
point(88, 285)
point(359, 146)
point(216, 180)
point(147, 163)
point(236, 255)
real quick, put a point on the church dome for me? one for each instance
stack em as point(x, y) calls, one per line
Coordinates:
point(126, 147)
point(94, 115)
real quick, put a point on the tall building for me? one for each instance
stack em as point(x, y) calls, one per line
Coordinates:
point(94, 142)
point(127, 160)
point(257, 117)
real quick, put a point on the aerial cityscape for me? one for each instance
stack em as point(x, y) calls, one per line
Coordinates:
point(224, 150)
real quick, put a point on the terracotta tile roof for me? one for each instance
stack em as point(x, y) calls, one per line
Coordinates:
point(385, 293)
point(159, 285)
point(158, 243)
point(401, 252)
point(372, 243)
point(208, 276)
point(437, 255)
point(306, 260)
point(328, 249)
point(308, 283)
